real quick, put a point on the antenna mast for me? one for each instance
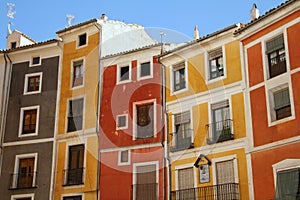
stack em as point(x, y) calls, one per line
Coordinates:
point(10, 15)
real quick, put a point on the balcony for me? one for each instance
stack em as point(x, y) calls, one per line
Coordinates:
point(277, 65)
point(23, 180)
point(147, 191)
point(73, 176)
point(228, 191)
point(183, 140)
point(219, 131)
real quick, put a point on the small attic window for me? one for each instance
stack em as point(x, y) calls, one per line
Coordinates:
point(82, 40)
point(13, 45)
point(36, 60)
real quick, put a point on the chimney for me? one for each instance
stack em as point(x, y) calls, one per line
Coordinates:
point(254, 12)
point(196, 33)
point(104, 17)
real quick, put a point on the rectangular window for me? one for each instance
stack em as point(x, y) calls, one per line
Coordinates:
point(75, 115)
point(146, 186)
point(82, 39)
point(282, 105)
point(74, 173)
point(179, 76)
point(79, 197)
point(29, 121)
point(25, 173)
point(216, 67)
point(145, 69)
point(186, 184)
point(145, 120)
point(33, 83)
point(276, 56)
point(124, 73)
point(77, 73)
point(36, 60)
point(288, 184)
point(183, 132)
point(13, 45)
point(122, 122)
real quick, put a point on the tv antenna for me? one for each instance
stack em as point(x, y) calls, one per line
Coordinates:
point(10, 14)
point(70, 19)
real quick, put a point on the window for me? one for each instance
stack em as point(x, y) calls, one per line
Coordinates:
point(22, 197)
point(288, 184)
point(145, 120)
point(33, 83)
point(124, 157)
point(186, 184)
point(146, 186)
point(216, 67)
point(35, 61)
point(77, 73)
point(122, 122)
point(79, 197)
point(145, 69)
point(29, 121)
point(82, 39)
point(221, 127)
point(282, 106)
point(183, 133)
point(179, 76)
point(75, 115)
point(124, 73)
point(276, 56)
point(13, 45)
point(74, 173)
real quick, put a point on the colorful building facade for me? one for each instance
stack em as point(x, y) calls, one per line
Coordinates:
point(206, 118)
point(272, 70)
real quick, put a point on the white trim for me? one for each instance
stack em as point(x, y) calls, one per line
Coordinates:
point(186, 72)
point(67, 112)
point(119, 66)
point(27, 76)
point(72, 195)
point(120, 163)
point(139, 64)
point(135, 165)
point(185, 166)
point(77, 40)
point(20, 196)
point(83, 59)
point(21, 121)
point(17, 163)
point(222, 159)
point(284, 165)
point(31, 61)
point(141, 146)
point(250, 176)
point(134, 118)
point(25, 142)
point(126, 122)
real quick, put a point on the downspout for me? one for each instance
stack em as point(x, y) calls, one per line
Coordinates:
point(4, 105)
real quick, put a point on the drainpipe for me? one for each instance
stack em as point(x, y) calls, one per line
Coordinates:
point(5, 95)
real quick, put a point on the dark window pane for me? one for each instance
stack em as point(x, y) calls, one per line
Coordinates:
point(179, 79)
point(36, 60)
point(73, 198)
point(13, 45)
point(29, 121)
point(82, 39)
point(75, 165)
point(33, 83)
point(124, 73)
point(75, 115)
point(145, 69)
point(216, 64)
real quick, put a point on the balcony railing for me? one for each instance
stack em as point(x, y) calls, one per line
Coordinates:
point(182, 140)
point(23, 180)
point(228, 191)
point(148, 191)
point(219, 131)
point(277, 65)
point(73, 176)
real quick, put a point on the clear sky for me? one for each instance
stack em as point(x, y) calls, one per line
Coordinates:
point(40, 19)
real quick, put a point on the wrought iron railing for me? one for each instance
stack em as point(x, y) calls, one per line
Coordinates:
point(228, 191)
point(277, 65)
point(73, 176)
point(219, 131)
point(147, 191)
point(182, 140)
point(23, 180)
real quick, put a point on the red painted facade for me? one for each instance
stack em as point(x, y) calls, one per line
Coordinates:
point(119, 180)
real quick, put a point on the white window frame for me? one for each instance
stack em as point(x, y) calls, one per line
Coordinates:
point(139, 68)
point(21, 121)
point(184, 166)
point(126, 122)
point(19, 196)
point(134, 135)
point(31, 61)
point(67, 113)
point(207, 68)
point(27, 76)
point(72, 72)
point(120, 163)
point(119, 81)
point(72, 195)
point(173, 92)
point(77, 40)
point(135, 165)
point(17, 163)
point(222, 159)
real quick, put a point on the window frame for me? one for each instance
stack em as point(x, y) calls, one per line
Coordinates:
point(31, 64)
point(119, 81)
point(72, 195)
point(73, 73)
point(13, 45)
point(172, 79)
point(78, 40)
point(26, 83)
point(126, 122)
point(120, 162)
point(208, 68)
point(185, 166)
point(67, 113)
point(20, 196)
point(139, 69)
point(21, 134)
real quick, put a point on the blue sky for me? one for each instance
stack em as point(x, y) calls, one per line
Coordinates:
point(41, 19)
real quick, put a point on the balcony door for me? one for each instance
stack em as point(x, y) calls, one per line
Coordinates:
point(221, 121)
point(183, 131)
point(146, 186)
point(186, 184)
point(75, 168)
point(26, 172)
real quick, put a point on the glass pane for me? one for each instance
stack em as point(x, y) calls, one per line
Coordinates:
point(124, 73)
point(145, 69)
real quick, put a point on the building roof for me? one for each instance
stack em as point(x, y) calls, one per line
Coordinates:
point(76, 26)
point(26, 36)
point(267, 14)
point(29, 46)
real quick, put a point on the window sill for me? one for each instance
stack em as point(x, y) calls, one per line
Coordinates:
point(23, 188)
point(280, 121)
point(210, 81)
point(73, 185)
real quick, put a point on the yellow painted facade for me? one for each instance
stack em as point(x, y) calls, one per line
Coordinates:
point(89, 92)
point(197, 98)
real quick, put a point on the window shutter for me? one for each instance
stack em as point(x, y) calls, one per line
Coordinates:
point(186, 178)
point(178, 66)
point(215, 54)
point(287, 184)
point(182, 118)
point(225, 172)
point(221, 104)
point(281, 98)
point(275, 44)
